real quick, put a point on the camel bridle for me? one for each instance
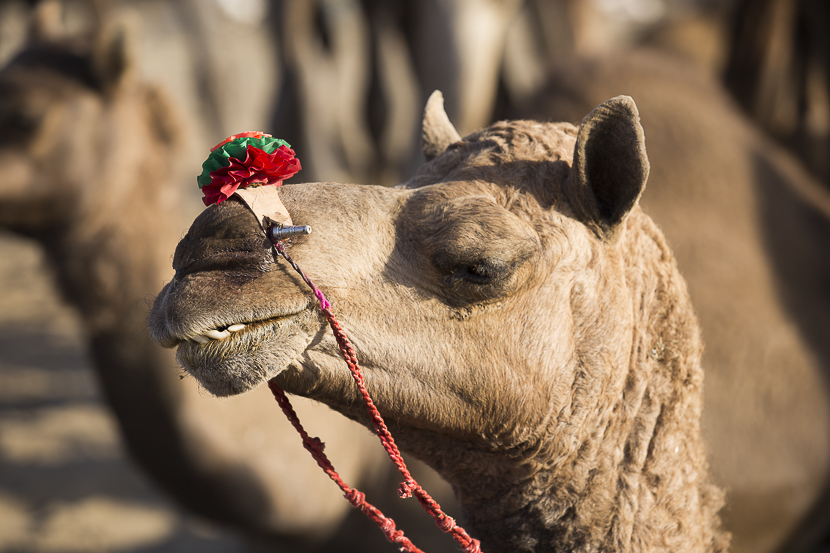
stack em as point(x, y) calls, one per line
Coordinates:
point(250, 166)
point(275, 220)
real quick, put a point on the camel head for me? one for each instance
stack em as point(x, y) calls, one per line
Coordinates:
point(520, 322)
point(74, 121)
point(87, 151)
point(441, 282)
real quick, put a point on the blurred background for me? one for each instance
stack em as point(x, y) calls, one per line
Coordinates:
point(345, 82)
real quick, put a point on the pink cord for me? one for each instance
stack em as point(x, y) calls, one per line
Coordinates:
point(409, 486)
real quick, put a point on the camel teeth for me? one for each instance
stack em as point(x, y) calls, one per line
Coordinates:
point(215, 334)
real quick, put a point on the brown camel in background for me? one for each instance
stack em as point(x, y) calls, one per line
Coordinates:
point(90, 159)
point(778, 70)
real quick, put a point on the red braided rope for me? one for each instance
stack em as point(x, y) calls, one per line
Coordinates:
point(358, 500)
point(409, 486)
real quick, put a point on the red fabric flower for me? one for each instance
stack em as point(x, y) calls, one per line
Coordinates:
point(249, 134)
point(259, 168)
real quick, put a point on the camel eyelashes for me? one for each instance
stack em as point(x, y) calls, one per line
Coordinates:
point(19, 121)
point(482, 273)
point(19, 124)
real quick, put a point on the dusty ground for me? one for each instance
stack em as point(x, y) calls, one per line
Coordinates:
point(66, 484)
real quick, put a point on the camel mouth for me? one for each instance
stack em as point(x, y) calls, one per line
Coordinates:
point(225, 334)
point(233, 359)
point(222, 332)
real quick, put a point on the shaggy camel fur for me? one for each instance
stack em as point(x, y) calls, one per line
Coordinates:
point(521, 324)
point(88, 156)
point(751, 232)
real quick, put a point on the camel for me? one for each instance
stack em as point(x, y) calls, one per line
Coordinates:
point(778, 70)
point(354, 84)
point(520, 321)
point(750, 229)
point(90, 172)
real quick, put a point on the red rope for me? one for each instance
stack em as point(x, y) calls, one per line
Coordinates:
point(358, 500)
point(409, 486)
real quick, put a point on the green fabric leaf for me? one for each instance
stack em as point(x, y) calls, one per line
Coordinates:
point(236, 148)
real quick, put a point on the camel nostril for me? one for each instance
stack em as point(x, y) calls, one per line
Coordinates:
point(222, 237)
point(217, 258)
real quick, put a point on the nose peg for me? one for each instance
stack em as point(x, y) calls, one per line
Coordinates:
point(281, 233)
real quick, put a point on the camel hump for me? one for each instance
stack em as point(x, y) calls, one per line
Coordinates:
point(610, 166)
point(437, 132)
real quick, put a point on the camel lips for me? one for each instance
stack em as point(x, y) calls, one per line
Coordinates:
point(215, 334)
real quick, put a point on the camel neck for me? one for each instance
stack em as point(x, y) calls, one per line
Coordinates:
point(108, 264)
point(635, 485)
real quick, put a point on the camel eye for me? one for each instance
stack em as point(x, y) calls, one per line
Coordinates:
point(476, 249)
point(19, 123)
point(481, 273)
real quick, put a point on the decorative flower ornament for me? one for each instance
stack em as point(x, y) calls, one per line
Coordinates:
point(243, 160)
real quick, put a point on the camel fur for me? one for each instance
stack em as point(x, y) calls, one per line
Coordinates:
point(520, 321)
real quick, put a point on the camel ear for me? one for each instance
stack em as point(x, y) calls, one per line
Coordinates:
point(163, 118)
point(113, 57)
point(610, 166)
point(437, 132)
